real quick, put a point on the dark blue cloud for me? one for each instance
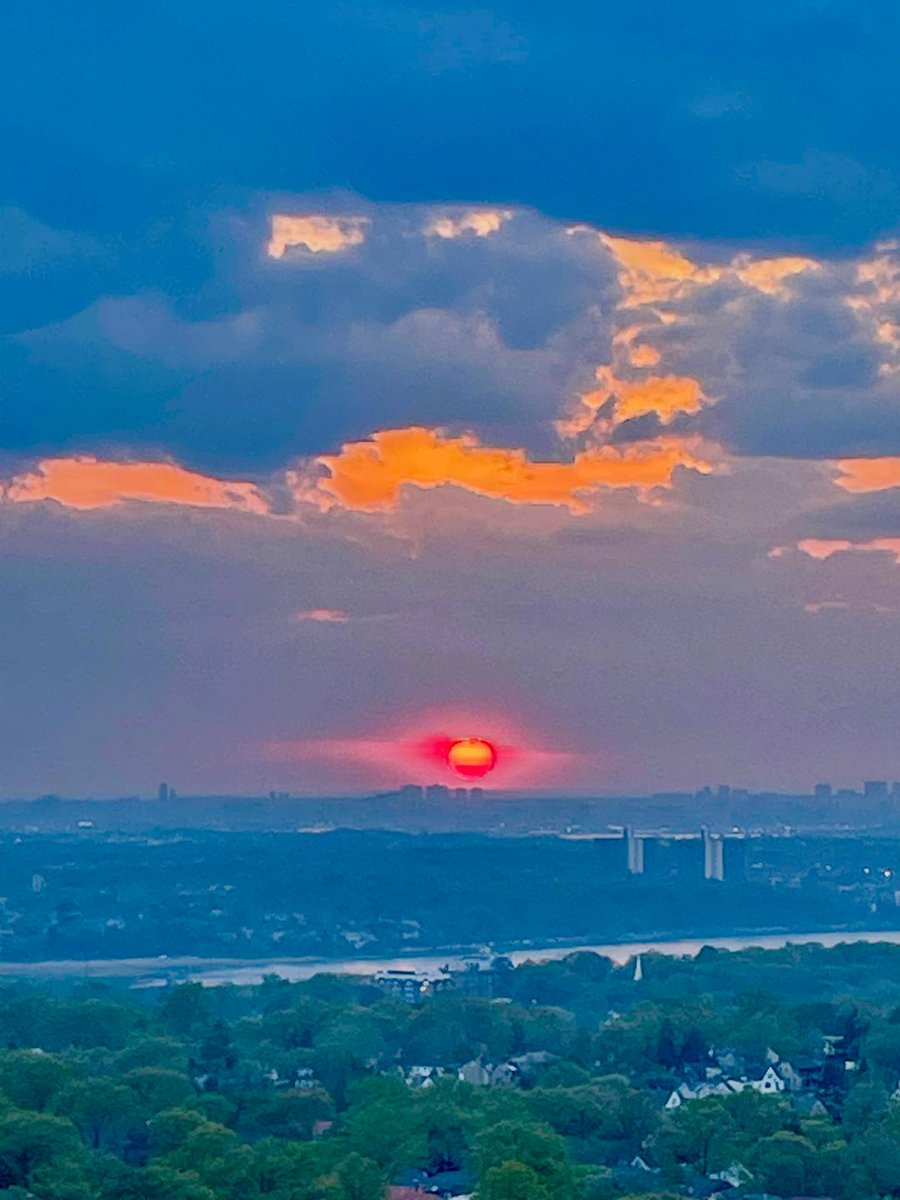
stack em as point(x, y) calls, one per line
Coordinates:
point(698, 118)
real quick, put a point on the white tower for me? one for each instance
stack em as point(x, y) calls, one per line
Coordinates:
point(713, 855)
point(634, 847)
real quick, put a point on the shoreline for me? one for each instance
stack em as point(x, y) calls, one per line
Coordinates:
point(303, 967)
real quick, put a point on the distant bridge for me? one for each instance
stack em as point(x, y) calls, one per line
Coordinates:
point(634, 842)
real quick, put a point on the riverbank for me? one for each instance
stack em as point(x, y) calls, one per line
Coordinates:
point(150, 972)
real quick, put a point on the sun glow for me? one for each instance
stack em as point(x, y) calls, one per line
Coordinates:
point(472, 758)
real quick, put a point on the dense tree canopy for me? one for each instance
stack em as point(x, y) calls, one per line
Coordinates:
point(331, 1090)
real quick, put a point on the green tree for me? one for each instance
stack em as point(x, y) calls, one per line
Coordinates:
point(781, 1163)
point(380, 1125)
point(360, 1179)
point(290, 1114)
point(168, 1052)
point(573, 1112)
point(102, 1110)
point(187, 1010)
point(170, 1129)
point(701, 1133)
point(864, 1106)
point(160, 1181)
point(513, 1181)
point(31, 1078)
point(216, 1053)
point(528, 1143)
point(160, 1088)
point(87, 1024)
point(877, 1155)
point(31, 1140)
point(446, 1129)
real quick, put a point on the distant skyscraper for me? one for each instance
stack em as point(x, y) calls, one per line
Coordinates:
point(823, 792)
point(412, 792)
point(634, 849)
point(437, 791)
point(713, 855)
point(162, 793)
point(875, 789)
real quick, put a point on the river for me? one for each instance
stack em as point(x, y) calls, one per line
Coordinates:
point(154, 972)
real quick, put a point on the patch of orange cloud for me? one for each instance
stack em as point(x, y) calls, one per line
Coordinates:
point(370, 475)
point(86, 483)
point(638, 354)
point(822, 548)
point(315, 233)
point(868, 474)
point(652, 272)
point(876, 302)
point(768, 275)
point(643, 355)
point(478, 221)
point(667, 396)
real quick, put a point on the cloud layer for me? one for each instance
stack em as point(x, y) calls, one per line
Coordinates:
point(640, 498)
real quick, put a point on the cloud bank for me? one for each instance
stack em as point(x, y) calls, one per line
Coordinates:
point(387, 457)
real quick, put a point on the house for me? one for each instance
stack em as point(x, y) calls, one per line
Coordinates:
point(424, 1077)
point(809, 1106)
point(446, 1185)
point(474, 1072)
point(533, 1062)
point(504, 1074)
point(701, 1091)
point(736, 1175)
point(768, 1082)
point(802, 1074)
point(641, 1164)
point(410, 986)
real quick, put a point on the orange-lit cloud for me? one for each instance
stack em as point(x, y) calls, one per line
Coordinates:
point(643, 355)
point(370, 475)
point(478, 221)
point(637, 354)
point(869, 474)
point(769, 275)
point(822, 548)
point(325, 616)
point(667, 396)
point(315, 233)
point(876, 302)
point(652, 272)
point(87, 483)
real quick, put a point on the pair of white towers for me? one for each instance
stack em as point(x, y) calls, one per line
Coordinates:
point(713, 854)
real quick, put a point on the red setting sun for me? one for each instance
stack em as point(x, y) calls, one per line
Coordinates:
point(473, 758)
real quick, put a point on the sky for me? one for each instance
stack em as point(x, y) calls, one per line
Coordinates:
point(371, 374)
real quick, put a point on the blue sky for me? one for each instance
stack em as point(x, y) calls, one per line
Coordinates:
point(763, 121)
point(611, 290)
